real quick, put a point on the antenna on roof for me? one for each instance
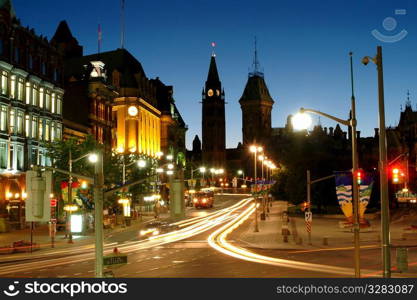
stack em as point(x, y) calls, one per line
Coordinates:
point(255, 63)
point(122, 24)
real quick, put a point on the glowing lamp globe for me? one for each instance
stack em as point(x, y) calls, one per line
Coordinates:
point(301, 121)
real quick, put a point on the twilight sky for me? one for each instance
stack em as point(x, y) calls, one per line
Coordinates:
point(303, 48)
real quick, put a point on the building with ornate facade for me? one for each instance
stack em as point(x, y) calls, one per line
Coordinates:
point(109, 96)
point(31, 106)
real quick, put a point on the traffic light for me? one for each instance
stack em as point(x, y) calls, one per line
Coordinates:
point(395, 176)
point(359, 177)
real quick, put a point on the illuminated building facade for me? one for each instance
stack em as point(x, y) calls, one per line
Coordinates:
point(138, 126)
point(31, 104)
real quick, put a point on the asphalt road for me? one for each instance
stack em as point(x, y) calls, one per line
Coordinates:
point(188, 254)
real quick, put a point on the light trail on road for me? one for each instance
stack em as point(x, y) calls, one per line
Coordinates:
point(218, 240)
point(190, 228)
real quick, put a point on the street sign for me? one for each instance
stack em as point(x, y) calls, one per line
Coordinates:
point(308, 216)
point(39, 189)
point(115, 259)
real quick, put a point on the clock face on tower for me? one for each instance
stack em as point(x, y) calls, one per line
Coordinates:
point(210, 92)
point(217, 93)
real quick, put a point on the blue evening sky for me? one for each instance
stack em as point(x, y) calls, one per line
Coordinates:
point(303, 49)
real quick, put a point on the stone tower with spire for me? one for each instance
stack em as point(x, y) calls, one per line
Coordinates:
point(214, 124)
point(256, 104)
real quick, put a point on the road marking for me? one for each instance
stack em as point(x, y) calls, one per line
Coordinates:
point(177, 261)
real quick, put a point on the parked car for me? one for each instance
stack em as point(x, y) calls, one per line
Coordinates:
point(203, 199)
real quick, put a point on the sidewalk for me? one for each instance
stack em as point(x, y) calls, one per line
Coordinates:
point(43, 240)
point(324, 231)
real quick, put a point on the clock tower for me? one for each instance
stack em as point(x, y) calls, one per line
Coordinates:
point(213, 127)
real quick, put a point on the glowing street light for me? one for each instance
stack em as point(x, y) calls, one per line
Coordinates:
point(301, 121)
point(141, 163)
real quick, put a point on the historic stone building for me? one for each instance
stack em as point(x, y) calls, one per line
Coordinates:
point(213, 119)
point(31, 105)
point(109, 96)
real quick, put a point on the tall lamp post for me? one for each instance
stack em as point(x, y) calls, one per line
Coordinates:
point(302, 121)
point(255, 150)
point(92, 158)
point(383, 179)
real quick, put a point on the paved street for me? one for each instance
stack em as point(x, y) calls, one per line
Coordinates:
point(187, 253)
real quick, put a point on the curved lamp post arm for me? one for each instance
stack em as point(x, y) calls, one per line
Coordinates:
point(344, 122)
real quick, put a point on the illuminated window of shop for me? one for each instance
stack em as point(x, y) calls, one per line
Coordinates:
point(4, 82)
point(11, 157)
point(13, 86)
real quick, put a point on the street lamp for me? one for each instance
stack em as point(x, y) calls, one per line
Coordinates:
point(255, 150)
point(385, 226)
point(301, 121)
point(92, 157)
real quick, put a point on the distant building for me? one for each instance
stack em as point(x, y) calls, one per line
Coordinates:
point(31, 105)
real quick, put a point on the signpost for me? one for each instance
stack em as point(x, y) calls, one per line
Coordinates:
point(115, 260)
point(309, 220)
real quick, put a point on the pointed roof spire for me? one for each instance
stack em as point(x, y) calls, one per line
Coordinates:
point(213, 75)
point(256, 65)
point(408, 102)
point(63, 33)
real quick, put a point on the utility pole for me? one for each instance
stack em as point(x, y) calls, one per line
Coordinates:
point(386, 254)
point(98, 214)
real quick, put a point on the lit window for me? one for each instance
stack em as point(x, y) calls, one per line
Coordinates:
point(3, 118)
point(28, 92)
point(12, 121)
point(59, 131)
point(59, 105)
point(35, 95)
point(19, 157)
point(20, 115)
point(4, 79)
point(20, 84)
point(53, 103)
point(47, 100)
point(34, 134)
point(53, 129)
point(41, 94)
point(27, 125)
point(47, 127)
point(3, 155)
point(13, 86)
point(40, 129)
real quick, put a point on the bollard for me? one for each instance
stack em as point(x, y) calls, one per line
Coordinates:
point(325, 241)
point(402, 259)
